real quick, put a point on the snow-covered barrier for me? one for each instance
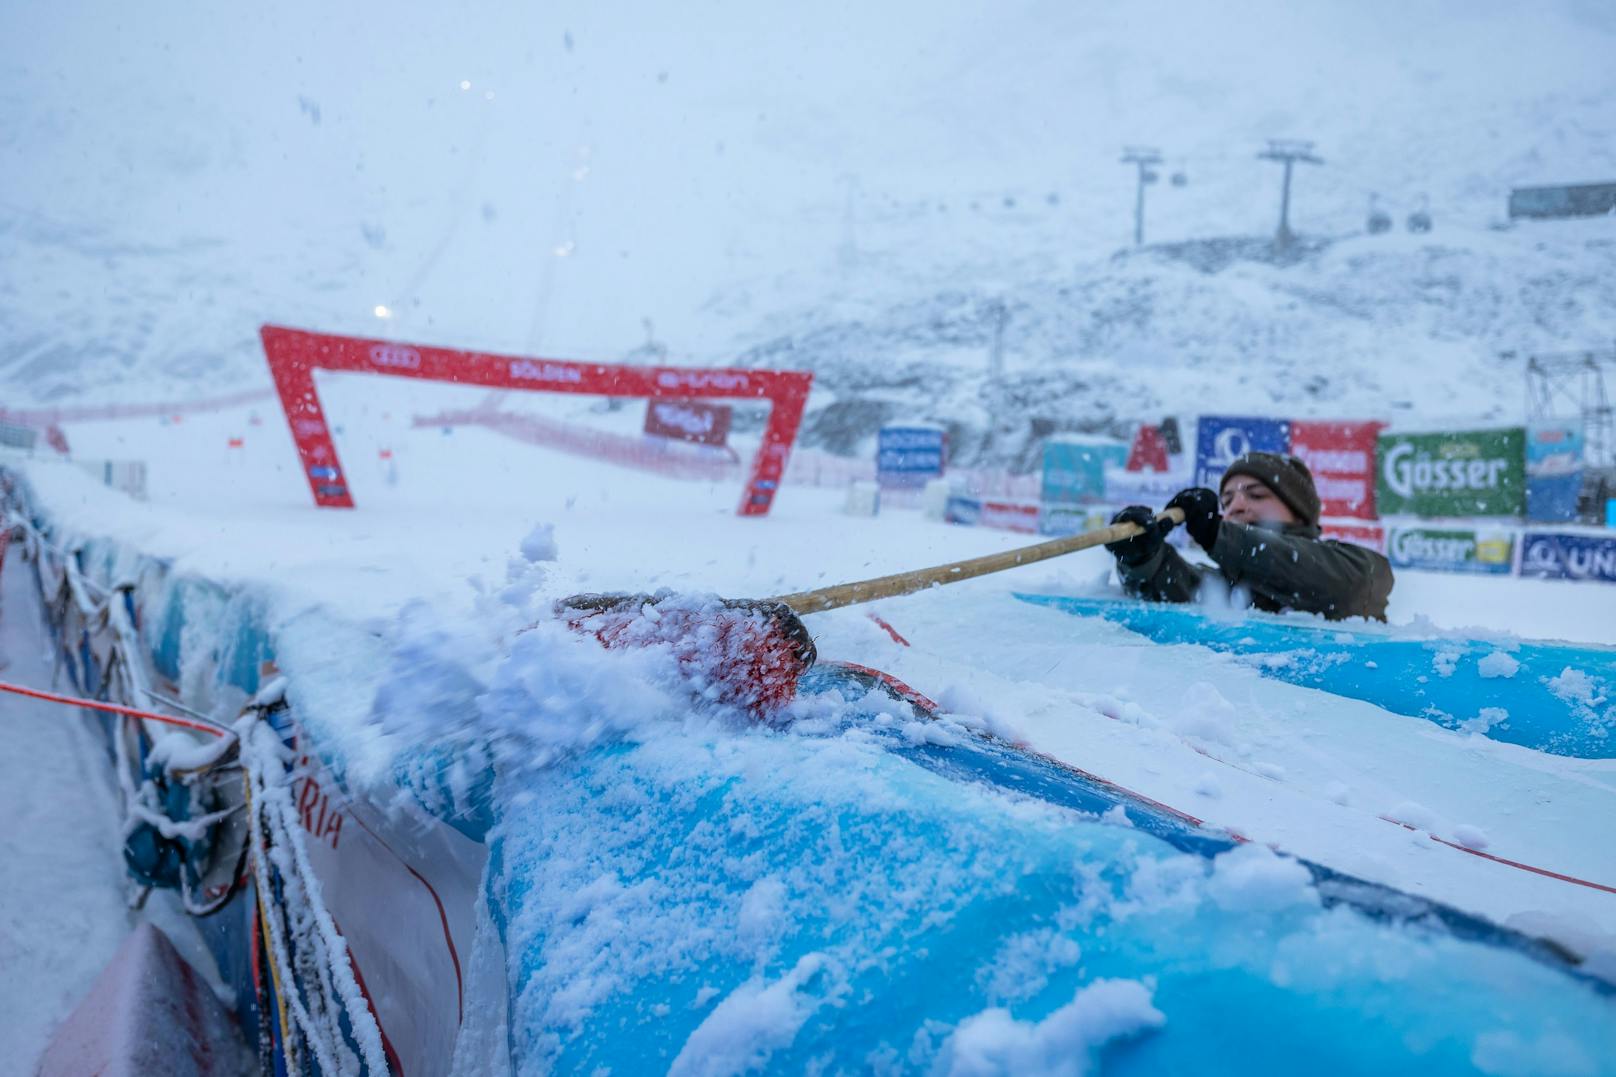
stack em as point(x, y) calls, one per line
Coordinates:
point(551, 859)
point(1554, 697)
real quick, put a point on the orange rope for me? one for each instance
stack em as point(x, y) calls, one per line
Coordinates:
point(112, 708)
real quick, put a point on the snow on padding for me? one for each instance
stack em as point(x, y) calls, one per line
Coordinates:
point(1554, 697)
point(858, 884)
point(874, 889)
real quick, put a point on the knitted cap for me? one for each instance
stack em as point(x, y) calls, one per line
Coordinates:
point(1284, 474)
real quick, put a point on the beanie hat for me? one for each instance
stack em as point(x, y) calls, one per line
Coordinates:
point(1284, 474)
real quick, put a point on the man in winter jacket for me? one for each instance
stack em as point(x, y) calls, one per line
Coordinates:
point(1261, 529)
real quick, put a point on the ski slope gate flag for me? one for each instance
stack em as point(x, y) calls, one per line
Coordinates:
point(1463, 473)
point(295, 354)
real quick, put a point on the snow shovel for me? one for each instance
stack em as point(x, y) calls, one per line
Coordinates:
point(750, 652)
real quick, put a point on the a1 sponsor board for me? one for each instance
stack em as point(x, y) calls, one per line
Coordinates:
point(1148, 451)
point(1462, 473)
point(1564, 556)
point(1142, 487)
point(1341, 456)
point(1436, 549)
point(1219, 439)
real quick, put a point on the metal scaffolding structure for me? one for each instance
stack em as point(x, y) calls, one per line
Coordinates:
point(1565, 385)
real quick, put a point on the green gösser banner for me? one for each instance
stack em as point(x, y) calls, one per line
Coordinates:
point(1464, 473)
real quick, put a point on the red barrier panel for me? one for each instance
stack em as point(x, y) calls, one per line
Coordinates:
point(673, 459)
point(1341, 456)
point(294, 355)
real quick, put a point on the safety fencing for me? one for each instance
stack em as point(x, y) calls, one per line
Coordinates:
point(219, 813)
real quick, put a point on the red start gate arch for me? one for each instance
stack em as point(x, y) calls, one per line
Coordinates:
point(295, 354)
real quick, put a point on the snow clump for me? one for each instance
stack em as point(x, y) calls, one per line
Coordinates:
point(1062, 1044)
point(1254, 878)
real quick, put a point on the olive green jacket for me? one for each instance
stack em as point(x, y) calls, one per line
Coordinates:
point(1286, 569)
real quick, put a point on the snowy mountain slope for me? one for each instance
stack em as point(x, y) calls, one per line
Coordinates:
point(817, 189)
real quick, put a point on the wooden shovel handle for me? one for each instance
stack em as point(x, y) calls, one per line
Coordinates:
point(904, 583)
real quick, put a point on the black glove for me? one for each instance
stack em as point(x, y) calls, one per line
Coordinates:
point(1142, 547)
point(1202, 514)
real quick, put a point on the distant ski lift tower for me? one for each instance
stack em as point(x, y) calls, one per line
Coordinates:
point(1287, 151)
point(1575, 382)
point(1146, 158)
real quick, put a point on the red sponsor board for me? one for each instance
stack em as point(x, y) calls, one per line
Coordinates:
point(688, 420)
point(1342, 459)
point(1011, 516)
point(1370, 535)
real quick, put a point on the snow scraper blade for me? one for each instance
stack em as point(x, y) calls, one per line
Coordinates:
point(742, 652)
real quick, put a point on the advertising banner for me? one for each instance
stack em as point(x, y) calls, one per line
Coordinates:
point(1451, 550)
point(1370, 535)
point(963, 510)
point(1553, 470)
point(1561, 556)
point(1056, 520)
point(1148, 451)
point(1074, 468)
point(1462, 473)
point(909, 455)
point(402, 888)
point(1019, 516)
point(688, 420)
point(1003, 515)
point(1219, 439)
point(1341, 456)
point(1142, 487)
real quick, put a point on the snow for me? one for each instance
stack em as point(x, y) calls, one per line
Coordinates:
point(486, 186)
point(742, 1031)
point(62, 913)
point(63, 908)
point(1498, 664)
point(994, 1043)
point(1255, 879)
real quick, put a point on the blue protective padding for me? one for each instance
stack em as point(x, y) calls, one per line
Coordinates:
point(870, 888)
point(1439, 678)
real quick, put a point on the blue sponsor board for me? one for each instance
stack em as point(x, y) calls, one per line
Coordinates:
point(909, 455)
point(963, 510)
point(1220, 438)
point(1560, 556)
point(1553, 471)
point(1074, 469)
